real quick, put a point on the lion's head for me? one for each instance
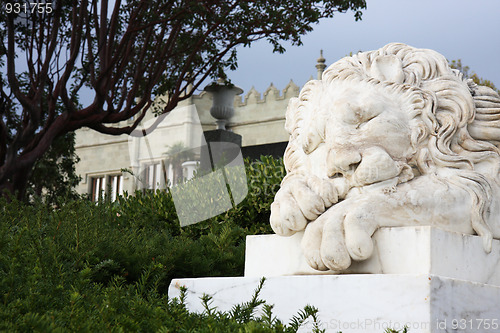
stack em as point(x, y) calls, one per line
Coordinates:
point(394, 114)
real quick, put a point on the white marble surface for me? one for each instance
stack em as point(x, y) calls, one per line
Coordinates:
point(362, 303)
point(387, 138)
point(398, 250)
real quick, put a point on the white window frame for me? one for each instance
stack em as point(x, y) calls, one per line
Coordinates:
point(97, 187)
point(116, 182)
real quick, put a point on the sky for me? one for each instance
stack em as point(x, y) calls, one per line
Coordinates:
point(458, 29)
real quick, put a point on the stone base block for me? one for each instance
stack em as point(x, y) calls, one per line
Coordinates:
point(401, 250)
point(362, 303)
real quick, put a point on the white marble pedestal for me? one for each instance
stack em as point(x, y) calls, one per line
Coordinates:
point(401, 250)
point(438, 282)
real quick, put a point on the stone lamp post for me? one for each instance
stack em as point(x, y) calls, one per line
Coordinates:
point(223, 100)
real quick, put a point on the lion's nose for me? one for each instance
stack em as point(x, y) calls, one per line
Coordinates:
point(343, 161)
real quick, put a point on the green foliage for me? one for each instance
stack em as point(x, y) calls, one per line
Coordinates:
point(457, 64)
point(177, 153)
point(53, 176)
point(91, 267)
point(157, 210)
point(82, 267)
point(264, 178)
point(242, 318)
point(390, 330)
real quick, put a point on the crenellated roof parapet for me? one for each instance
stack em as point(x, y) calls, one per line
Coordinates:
point(251, 109)
point(254, 97)
point(270, 94)
point(291, 90)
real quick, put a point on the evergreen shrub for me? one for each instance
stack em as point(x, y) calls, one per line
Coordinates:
point(90, 267)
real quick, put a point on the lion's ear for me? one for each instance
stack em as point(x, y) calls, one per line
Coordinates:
point(388, 68)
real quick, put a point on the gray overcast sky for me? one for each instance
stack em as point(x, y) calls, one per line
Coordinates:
point(458, 29)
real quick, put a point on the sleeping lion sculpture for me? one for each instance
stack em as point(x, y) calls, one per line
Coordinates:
point(388, 138)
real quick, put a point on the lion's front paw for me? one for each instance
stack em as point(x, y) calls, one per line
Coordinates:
point(300, 200)
point(337, 237)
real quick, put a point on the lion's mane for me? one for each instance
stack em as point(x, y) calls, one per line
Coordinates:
point(456, 124)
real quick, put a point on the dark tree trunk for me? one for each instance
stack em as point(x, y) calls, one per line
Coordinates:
point(16, 184)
